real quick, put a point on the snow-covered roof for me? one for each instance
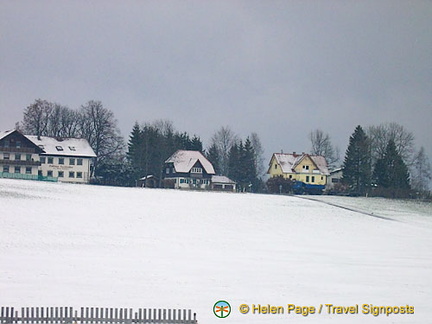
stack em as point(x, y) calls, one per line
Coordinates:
point(288, 161)
point(67, 146)
point(336, 170)
point(3, 134)
point(221, 179)
point(184, 161)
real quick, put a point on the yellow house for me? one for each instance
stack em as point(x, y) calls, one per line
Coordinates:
point(309, 169)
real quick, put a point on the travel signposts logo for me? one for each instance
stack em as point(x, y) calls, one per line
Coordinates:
point(222, 309)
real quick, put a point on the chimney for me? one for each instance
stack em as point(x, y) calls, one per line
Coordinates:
point(294, 153)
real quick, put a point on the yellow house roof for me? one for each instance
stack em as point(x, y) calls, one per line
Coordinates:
point(289, 161)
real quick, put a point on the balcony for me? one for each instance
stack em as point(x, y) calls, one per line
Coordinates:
point(17, 149)
point(20, 162)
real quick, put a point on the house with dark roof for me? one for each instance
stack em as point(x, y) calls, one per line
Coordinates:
point(306, 170)
point(188, 170)
point(19, 156)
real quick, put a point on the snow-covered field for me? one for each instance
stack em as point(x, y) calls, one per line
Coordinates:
point(77, 245)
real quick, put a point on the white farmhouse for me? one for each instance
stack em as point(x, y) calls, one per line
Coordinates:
point(66, 160)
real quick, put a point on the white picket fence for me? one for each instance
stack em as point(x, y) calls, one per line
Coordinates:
point(94, 315)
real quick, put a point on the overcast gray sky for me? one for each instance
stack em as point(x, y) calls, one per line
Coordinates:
point(278, 68)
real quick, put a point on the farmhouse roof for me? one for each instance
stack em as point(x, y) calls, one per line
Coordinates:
point(3, 134)
point(184, 161)
point(288, 161)
point(78, 147)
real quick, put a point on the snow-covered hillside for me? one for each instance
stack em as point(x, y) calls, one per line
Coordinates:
point(77, 245)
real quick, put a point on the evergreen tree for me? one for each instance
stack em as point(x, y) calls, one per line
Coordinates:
point(234, 163)
point(213, 156)
point(149, 147)
point(135, 150)
point(242, 165)
point(249, 165)
point(357, 163)
point(391, 173)
point(196, 144)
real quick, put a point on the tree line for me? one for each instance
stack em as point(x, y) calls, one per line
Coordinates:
point(149, 145)
point(382, 162)
point(379, 160)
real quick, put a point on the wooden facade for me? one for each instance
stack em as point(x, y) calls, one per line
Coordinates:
point(19, 157)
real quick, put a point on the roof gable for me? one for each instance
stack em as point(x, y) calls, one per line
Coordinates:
point(17, 134)
point(289, 161)
point(184, 160)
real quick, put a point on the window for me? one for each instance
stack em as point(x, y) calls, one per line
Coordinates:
point(182, 180)
point(79, 161)
point(5, 168)
point(59, 148)
point(196, 170)
point(28, 157)
point(79, 174)
point(313, 179)
point(42, 159)
point(290, 176)
point(322, 178)
point(61, 174)
point(49, 173)
point(18, 144)
point(275, 166)
point(61, 160)
point(167, 170)
point(6, 144)
point(50, 160)
point(6, 156)
point(40, 173)
point(307, 178)
point(17, 157)
point(305, 167)
point(72, 148)
point(71, 174)
point(17, 169)
point(71, 161)
point(28, 170)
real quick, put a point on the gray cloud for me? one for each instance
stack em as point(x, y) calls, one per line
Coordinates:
point(280, 68)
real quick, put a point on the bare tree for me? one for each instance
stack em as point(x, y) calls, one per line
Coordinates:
point(99, 127)
point(62, 122)
point(321, 145)
point(421, 172)
point(380, 136)
point(70, 122)
point(36, 118)
point(223, 140)
point(44, 118)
